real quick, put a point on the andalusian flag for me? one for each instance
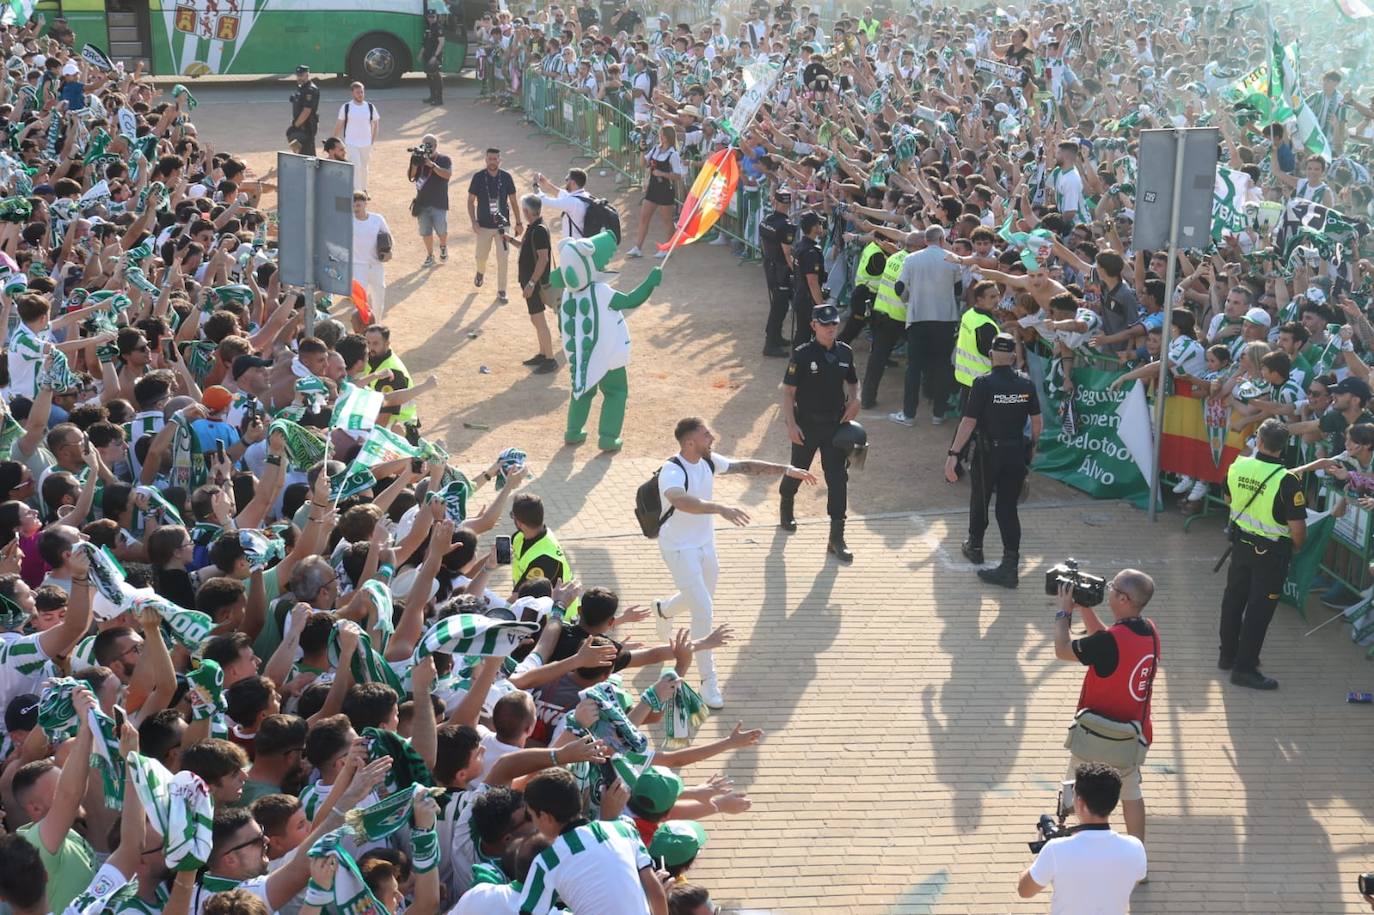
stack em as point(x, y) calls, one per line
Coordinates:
point(1354, 9)
point(710, 195)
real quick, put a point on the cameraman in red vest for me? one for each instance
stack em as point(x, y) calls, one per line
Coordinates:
point(1121, 661)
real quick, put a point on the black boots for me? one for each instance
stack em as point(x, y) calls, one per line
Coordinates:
point(786, 519)
point(1004, 575)
point(835, 546)
point(973, 554)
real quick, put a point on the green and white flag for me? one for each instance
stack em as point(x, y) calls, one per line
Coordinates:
point(234, 294)
point(96, 57)
point(455, 495)
point(179, 808)
point(105, 757)
point(1306, 563)
point(304, 446)
point(759, 77)
point(1309, 132)
point(349, 482)
point(350, 894)
point(1229, 195)
point(357, 409)
point(17, 12)
point(473, 635)
point(383, 445)
point(368, 664)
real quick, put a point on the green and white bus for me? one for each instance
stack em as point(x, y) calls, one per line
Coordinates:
point(375, 41)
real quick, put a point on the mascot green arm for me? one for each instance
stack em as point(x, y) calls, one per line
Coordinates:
point(624, 301)
point(556, 280)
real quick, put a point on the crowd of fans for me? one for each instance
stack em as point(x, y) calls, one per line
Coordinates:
point(1017, 133)
point(252, 656)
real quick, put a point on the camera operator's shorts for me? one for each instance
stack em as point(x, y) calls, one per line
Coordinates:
point(536, 303)
point(432, 219)
point(1130, 779)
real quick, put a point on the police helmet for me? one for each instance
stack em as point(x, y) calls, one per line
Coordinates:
point(852, 439)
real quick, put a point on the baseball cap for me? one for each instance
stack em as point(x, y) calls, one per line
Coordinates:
point(22, 713)
point(825, 314)
point(217, 398)
point(70, 68)
point(302, 68)
point(1316, 295)
point(245, 362)
point(676, 842)
point(1004, 343)
point(1352, 385)
point(656, 790)
point(1258, 316)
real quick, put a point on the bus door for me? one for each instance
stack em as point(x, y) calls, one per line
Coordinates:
point(130, 31)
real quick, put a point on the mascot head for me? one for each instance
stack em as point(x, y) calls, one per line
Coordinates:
point(583, 261)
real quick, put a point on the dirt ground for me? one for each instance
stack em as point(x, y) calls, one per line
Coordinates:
point(696, 342)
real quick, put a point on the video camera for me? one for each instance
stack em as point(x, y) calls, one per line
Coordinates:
point(1088, 590)
point(1052, 827)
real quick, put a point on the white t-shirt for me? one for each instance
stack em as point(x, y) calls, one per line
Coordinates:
point(574, 207)
point(1093, 872)
point(645, 85)
point(365, 232)
point(495, 750)
point(358, 127)
point(683, 531)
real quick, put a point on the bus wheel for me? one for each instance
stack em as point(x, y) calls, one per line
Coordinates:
point(378, 60)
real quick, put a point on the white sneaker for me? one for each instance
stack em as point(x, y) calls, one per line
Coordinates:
point(710, 694)
point(1183, 485)
point(720, 239)
point(937, 420)
point(902, 419)
point(634, 252)
point(661, 255)
point(1198, 491)
point(663, 626)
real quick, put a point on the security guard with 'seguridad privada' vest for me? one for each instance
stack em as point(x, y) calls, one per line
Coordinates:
point(1268, 522)
point(999, 403)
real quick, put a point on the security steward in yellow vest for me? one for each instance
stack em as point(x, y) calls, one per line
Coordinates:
point(889, 321)
point(867, 272)
point(380, 358)
point(999, 404)
point(977, 327)
point(534, 550)
point(1268, 522)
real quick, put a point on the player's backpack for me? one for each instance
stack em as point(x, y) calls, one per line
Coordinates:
point(649, 504)
point(601, 216)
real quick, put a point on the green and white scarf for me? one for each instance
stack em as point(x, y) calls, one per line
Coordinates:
point(349, 895)
point(235, 293)
point(206, 682)
point(350, 481)
point(407, 768)
point(105, 757)
point(56, 713)
point(189, 627)
point(260, 549)
point(104, 893)
point(183, 452)
point(455, 495)
point(179, 92)
point(179, 808)
point(383, 606)
point(304, 447)
point(612, 724)
point(372, 824)
point(473, 635)
point(368, 665)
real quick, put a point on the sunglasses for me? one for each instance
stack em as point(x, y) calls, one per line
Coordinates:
point(260, 840)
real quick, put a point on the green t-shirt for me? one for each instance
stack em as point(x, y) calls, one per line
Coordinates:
point(270, 637)
point(253, 789)
point(69, 871)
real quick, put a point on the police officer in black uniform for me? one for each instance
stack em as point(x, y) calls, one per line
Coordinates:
point(807, 274)
point(305, 113)
point(819, 392)
point(432, 56)
point(776, 234)
point(998, 405)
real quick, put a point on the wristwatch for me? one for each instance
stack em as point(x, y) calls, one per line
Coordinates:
point(1063, 614)
point(952, 453)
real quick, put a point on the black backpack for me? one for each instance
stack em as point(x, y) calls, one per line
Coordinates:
point(649, 505)
point(601, 215)
point(371, 113)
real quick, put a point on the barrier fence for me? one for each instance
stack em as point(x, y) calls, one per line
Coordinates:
point(609, 139)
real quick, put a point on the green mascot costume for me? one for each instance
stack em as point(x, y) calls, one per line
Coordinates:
point(595, 337)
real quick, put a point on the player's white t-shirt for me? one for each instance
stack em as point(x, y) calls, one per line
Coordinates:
point(683, 531)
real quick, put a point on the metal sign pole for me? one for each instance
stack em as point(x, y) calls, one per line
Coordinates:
point(312, 169)
point(1170, 277)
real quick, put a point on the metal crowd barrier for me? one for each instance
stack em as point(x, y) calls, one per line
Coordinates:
point(610, 139)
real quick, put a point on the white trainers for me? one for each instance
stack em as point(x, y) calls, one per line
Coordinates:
point(902, 419)
point(720, 240)
point(661, 254)
point(663, 626)
point(710, 694)
point(1198, 491)
point(1183, 485)
point(634, 252)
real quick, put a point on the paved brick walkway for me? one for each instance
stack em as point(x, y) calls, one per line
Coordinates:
point(915, 721)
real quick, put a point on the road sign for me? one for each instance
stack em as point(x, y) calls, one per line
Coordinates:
point(1155, 187)
point(315, 234)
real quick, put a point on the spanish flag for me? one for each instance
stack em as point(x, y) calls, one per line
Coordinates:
point(708, 198)
point(1198, 441)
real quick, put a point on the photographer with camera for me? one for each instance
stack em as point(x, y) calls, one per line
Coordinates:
point(1112, 724)
point(491, 201)
point(1092, 869)
point(430, 170)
